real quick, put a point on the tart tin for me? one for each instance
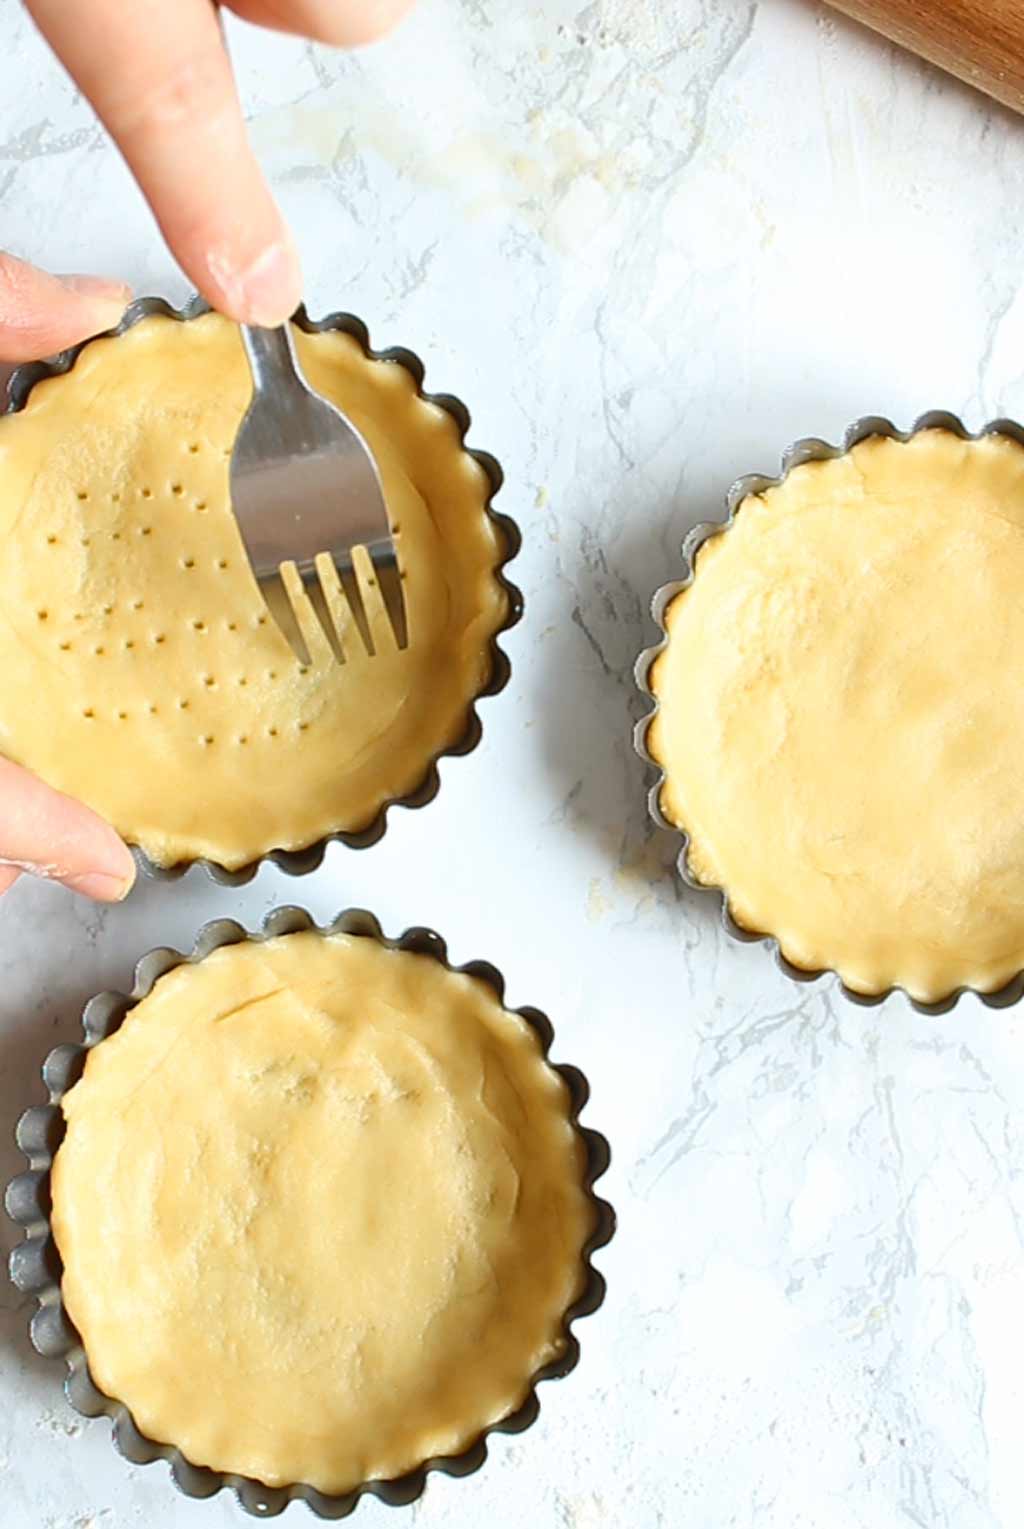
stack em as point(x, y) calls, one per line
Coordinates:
point(810, 449)
point(300, 861)
point(36, 1269)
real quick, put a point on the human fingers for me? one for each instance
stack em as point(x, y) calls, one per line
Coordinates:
point(164, 89)
point(46, 833)
point(343, 23)
point(40, 314)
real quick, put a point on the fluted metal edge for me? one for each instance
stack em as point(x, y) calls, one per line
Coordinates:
point(808, 449)
point(299, 862)
point(35, 1265)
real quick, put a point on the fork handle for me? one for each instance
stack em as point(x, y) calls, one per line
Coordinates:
point(272, 357)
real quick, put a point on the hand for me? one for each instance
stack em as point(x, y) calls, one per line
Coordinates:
point(160, 80)
point(41, 830)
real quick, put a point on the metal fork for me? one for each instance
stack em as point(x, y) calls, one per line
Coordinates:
point(306, 491)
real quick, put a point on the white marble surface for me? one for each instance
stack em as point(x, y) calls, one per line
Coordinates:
point(649, 241)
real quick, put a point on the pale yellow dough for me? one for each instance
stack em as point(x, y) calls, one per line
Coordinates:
point(321, 1209)
point(841, 721)
point(138, 670)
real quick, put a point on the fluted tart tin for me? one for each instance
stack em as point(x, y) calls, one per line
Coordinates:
point(803, 451)
point(36, 1268)
point(300, 860)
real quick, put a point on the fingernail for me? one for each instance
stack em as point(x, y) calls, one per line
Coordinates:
point(267, 291)
point(100, 887)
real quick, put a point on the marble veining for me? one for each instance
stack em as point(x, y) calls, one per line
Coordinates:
point(649, 242)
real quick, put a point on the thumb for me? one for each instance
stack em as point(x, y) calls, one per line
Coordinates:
point(40, 314)
point(40, 829)
point(48, 834)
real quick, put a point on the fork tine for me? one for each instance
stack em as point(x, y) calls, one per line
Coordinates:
point(337, 604)
point(377, 617)
point(272, 587)
point(295, 588)
point(316, 596)
point(353, 594)
point(385, 566)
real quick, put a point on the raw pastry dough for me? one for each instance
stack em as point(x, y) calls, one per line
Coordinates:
point(841, 723)
point(321, 1208)
point(138, 670)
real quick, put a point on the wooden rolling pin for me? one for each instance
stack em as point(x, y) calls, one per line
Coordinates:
point(980, 41)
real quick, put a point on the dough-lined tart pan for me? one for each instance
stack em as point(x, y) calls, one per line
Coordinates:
point(993, 446)
point(36, 1267)
point(208, 656)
